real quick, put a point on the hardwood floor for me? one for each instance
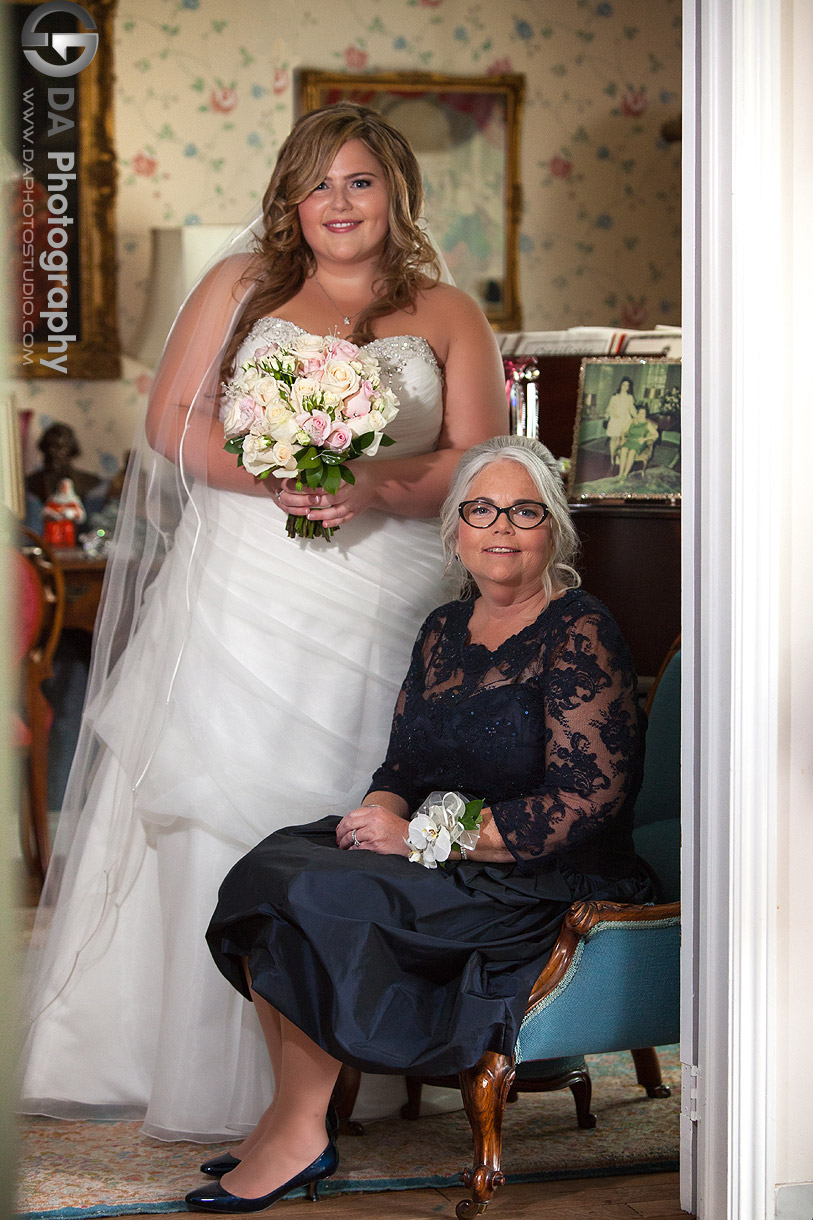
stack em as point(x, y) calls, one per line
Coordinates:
point(653, 1196)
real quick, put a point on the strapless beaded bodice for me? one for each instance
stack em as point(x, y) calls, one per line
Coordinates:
point(408, 367)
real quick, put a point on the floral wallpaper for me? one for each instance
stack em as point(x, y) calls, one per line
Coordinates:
point(206, 93)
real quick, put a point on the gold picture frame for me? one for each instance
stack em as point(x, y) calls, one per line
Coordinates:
point(465, 132)
point(91, 307)
point(626, 437)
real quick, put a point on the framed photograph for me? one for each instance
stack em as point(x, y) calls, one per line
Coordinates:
point(61, 165)
point(465, 133)
point(626, 439)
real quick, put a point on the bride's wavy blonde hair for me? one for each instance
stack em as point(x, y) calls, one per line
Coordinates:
point(408, 262)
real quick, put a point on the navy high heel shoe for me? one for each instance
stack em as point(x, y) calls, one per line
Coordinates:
point(220, 1165)
point(226, 1162)
point(216, 1199)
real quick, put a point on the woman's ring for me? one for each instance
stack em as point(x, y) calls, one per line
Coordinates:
point(354, 837)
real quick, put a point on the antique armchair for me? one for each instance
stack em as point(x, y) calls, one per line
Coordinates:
point(612, 980)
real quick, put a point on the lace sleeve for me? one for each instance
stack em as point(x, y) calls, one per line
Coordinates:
point(396, 773)
point(592, 744)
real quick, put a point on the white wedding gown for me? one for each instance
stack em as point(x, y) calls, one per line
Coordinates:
point(287, 670)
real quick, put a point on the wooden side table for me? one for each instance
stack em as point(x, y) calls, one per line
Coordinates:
point(83, 576)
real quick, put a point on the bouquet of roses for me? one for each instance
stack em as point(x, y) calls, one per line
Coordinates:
point(304, 410)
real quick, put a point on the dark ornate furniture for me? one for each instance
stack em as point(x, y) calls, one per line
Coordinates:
point(631, 551)
point(40, 597)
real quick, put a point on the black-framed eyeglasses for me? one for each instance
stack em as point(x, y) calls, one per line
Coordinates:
point(526, 515)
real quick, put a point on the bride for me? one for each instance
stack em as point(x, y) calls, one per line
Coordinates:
point(244, 681)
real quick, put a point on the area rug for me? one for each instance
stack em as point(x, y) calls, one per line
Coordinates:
point(85, 1169)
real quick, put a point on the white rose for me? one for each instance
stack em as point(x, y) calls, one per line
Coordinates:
point(340, 377)
point(266, 392)
point(304, 387)
point(373, 422)
point(387, 404)
point(368, 367)
point(284, 456)
point(285, 429)
point(308, 345)
point(247, 378)
point(376, 421)
point(358, 424)
point(258, 453)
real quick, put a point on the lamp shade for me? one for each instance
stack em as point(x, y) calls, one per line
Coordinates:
point(178, 256)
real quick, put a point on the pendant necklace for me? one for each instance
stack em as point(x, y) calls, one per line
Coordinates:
point(346, 318)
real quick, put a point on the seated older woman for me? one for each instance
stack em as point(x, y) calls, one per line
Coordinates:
point(523, 694)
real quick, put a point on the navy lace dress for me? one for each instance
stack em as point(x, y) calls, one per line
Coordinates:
point(393, 967)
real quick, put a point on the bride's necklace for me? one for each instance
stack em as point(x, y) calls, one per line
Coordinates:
point(346, 318)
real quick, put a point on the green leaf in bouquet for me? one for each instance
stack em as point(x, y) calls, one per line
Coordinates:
point(332, 480)
point(235, 445)
point(364, 440)
point(472, 815)
point(315, 477)
point(308, 458)
point(386, 440)
point(332, 459)
point(347, 474)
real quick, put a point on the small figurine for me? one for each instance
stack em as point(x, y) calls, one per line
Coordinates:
point(62, 512)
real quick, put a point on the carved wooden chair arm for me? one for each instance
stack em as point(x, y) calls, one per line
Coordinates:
point(581, 919)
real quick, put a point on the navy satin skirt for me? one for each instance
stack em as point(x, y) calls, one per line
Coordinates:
point(389, 966)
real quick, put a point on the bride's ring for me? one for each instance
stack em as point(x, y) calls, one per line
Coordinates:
point(354, 837)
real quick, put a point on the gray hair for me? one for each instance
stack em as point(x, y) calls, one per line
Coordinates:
point(560, 572)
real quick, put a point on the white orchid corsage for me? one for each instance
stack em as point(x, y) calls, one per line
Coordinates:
point(445, 822)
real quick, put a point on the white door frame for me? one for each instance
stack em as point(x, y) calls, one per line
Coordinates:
point(735, 249)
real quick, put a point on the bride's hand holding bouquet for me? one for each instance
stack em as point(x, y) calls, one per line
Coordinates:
point(305, 410)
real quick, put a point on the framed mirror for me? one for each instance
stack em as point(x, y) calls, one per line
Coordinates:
point(465, 133)
point(61, 193)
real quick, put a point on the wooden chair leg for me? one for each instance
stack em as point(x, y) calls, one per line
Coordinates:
point(582, 1090)
point(344, 1097)
point(412, 1107)
point(485, 1089)
point(648, 1072)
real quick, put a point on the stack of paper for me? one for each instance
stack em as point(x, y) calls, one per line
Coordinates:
point(592, 341)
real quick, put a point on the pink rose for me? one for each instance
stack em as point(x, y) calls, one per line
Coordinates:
point(342, 349)
point(223, 100)
point(317, 424)
point(144, 165)
point(311, 365)
point(559, 167)
point(239, 416)
point(340, 439)
point(359, 403)
point(499, 67)
point(354, 57)
point(634, 103)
